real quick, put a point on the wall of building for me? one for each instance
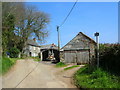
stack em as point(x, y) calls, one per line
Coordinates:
point(81, 49)
point(34, 50)
point(80, 57)
point(79, 42)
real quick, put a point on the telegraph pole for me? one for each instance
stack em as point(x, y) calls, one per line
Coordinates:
point(58, 38)
point(97, 41)
point(58, 43)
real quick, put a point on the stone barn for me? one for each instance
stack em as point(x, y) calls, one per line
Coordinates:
point(79, 50)
point(46, 50)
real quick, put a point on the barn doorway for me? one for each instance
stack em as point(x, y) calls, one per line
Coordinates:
point(30, 54)
point(45, 54)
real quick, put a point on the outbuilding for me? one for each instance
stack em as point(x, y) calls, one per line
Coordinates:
point(47, 50)
point(79, 50)
point(31, 48)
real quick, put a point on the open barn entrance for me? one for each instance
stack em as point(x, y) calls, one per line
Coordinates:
point(46, 53)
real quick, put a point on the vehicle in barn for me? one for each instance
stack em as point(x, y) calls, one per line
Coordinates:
point(50, 53)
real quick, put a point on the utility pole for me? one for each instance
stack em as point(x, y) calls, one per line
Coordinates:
point(58, 44)
point(58, 38)
point(97, 41)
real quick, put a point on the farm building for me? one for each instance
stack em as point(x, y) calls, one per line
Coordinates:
point(47, 50)
point(32, 48)
point(79, 50)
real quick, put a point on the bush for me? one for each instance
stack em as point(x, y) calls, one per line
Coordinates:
point(110, 58)
point(14, 52)
point(23, 55)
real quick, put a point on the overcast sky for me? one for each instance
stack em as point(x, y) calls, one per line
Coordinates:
point(86, 17)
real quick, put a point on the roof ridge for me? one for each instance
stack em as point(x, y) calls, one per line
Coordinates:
point(87, 37)
point(32, 42)
point(77, 35)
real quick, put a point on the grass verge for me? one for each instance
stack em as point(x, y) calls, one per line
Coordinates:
point(61, 64)
point(7, 63)
point(71, 67)
point(87, 77)
point(36, 59)
point(0, 65)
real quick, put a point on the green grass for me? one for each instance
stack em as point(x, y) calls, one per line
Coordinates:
point(7, 63)
point(95, 78)
point(37, 59)
point(61, 64)
point(0, 65)
point(71, 67)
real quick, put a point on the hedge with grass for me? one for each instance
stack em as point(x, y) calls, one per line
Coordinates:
point(7, 63)
point(88, 77)
point(108, 73)
point(110, 58)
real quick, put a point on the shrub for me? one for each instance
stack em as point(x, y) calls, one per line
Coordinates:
point(110, 57)
point(14, 52)
point(23, 55)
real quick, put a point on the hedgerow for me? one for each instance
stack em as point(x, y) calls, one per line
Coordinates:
point(110, 58)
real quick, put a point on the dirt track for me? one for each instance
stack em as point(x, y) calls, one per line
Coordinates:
point(31, 74)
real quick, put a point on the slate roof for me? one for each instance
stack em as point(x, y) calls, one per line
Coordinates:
point(32, 42)
point(87, 37)
point(48, 46)
point(77, 45)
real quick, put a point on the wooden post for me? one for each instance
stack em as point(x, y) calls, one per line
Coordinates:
point(58, 42)
point(58, 38)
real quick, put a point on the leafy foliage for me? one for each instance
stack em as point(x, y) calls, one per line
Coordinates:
point(7, 33)
point(14, 52)
point(110, 58)
point(17, 27)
